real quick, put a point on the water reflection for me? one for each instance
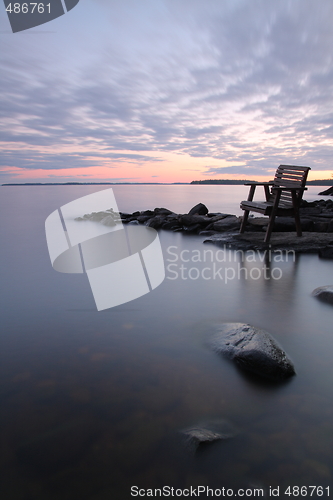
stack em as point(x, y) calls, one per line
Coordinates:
point(94, 402)
point(271, 277)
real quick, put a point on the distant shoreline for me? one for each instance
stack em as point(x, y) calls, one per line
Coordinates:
point(96, 184)
point(230, 182)
point(324, 182)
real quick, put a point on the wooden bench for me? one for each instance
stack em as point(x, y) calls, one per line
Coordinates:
point(283, 197)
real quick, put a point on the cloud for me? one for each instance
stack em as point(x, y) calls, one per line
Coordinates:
point(239, 170)
point(32, 159)
point(245, 82)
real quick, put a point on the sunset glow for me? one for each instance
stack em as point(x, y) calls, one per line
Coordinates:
point(168, 92)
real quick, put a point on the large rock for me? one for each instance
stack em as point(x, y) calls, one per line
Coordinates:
point(326, 252)
point(171, 225)
point(324, 293)
point(163, 211)
point(282, 224)
point(143, 218)
point(253, 350)
point(327, 192)
point(151, 213)
point(199, 209)
point(155, 222)
point(231, 223)
point(190, 220)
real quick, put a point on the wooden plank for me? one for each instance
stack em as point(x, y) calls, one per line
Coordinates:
point(300, 173)
point(255, 204)
point(292, 167)
point(289, 169)
point(293, 176)
point(287, 175)
point(290, 177)
point(262, 208)
point(288, 182)
point(296, 180)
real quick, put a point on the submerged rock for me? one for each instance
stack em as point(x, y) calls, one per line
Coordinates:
point(324, 293)
point(253, 350)
point(209, 431)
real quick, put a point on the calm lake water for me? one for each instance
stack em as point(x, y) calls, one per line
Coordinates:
point(93, 403)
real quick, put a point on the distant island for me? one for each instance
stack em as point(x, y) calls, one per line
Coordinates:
point(324, 182)
point(222, 181)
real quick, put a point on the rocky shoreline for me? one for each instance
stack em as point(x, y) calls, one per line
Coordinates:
point(221, 229)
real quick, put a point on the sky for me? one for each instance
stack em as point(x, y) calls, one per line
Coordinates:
point(168, 91)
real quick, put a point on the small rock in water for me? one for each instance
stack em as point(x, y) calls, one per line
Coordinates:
point(324, 293)
point(209, 431)
point(253, 350)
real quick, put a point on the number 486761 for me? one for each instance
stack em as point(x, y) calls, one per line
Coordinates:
point(304, 491)
point(28, 8)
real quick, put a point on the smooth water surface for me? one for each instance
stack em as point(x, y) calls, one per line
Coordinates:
point(93, 403)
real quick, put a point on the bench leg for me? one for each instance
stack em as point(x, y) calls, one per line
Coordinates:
point(272, 217)
point(246, 212)
point(244, 221)
point(298, 224)
point(296, 214)
point(269, 228)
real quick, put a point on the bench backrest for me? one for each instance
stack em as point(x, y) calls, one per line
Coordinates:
point(289, 176)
